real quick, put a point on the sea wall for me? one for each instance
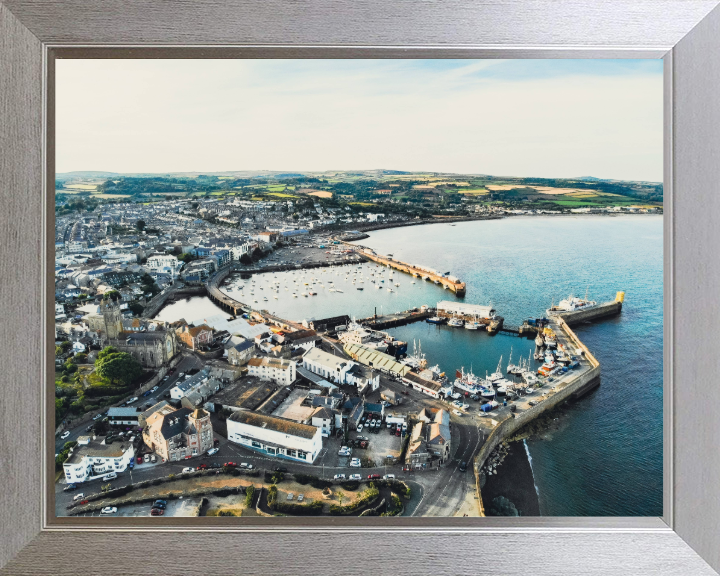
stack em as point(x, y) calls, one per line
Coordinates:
point(601, 311)
point(572, 388)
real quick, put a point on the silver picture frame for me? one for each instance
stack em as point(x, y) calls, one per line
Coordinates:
point(685, 33)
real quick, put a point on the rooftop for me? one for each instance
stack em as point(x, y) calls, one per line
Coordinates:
point(274, 423)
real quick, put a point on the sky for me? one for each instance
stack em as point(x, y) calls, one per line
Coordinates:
point(534, 118)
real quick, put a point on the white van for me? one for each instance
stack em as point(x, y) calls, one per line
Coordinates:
point(110, 476)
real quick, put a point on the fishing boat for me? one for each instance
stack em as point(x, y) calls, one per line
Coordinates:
point(472, 325)
point(338, 290)
point(539, 341)
point(435, 320)
point(359, 288)
point(456, 323)
point(487, 393)
point(390, 290)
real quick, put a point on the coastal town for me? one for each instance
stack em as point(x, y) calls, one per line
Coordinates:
point(250, 412)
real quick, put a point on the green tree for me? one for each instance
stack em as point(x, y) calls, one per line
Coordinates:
point(136, 308)
point(106, 351)
point(340, 496)
point(119, 367)
point(140, 225)
point(245, 259)
point(113, 295)
point(62, 348)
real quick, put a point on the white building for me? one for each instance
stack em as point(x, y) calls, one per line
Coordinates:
point(92, 459)
point(341, 370)
point(275, 369)
point(275, 436)
point(166, 263)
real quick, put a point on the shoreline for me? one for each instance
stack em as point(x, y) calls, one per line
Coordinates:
point(515, 482)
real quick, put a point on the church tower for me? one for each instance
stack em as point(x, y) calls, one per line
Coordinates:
point(113, 318)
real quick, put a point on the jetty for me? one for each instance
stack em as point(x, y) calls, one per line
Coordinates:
point(448, 282)
point(573, 317)
point(398, 319)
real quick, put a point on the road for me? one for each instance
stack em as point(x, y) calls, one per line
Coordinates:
point(188, 362)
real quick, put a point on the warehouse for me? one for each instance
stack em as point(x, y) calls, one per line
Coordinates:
point(274, 436)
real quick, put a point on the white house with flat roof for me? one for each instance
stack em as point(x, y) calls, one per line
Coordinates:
point(278, 437)
point(93, 458)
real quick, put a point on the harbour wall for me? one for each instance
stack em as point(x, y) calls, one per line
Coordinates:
point(600, 311)
point(158, 302)
point(571, 389)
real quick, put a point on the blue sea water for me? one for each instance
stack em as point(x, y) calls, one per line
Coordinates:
point(604, 457)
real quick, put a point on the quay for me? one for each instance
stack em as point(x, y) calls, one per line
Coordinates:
point(399, 319)
point(499, 425)
point(448, 282)
point(571, 318)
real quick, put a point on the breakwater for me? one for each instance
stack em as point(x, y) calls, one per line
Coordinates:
point(569, 388)
point(448, 282)
point(600, 311)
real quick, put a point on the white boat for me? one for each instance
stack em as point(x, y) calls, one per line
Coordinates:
point(513, 368)
point(456, 323)
point(390, 290)
point(472, 325)
point(304, 294)
point(497, 375)
point(487, 393)
point(338, 290)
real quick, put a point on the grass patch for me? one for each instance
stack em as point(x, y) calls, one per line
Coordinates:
point(81, 186)
point(281, 195)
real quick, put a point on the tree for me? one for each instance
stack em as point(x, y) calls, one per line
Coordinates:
point(340, 496)
point(62, 348)
point(257, 254)
point(136, 308)
point(118, 367)
point(113, 295)
point(245, 259)
point(140, 225)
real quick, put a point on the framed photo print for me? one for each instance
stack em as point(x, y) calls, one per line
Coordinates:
point(435, 283)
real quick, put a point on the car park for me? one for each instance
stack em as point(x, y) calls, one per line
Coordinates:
point(187, 470)
point(212, 451)
point(355, 477)
point(65, 435)
point(339, 477)
point(108, 510)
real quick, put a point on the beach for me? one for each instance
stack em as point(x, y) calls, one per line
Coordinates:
point(514, 481)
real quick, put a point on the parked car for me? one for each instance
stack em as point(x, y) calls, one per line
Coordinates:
point(159, 506)
point(355, 477)
point(181, 375)
point(97, 416)
point(202, 467)
point(139, 459)
point(108, 510)
point(146, 393)
point(213, 451)
point(188, 469)
point(65, 435)
point(147, 458)
point(457, 412)
point(246, 466)
point(131, 465)
point(339, 477)
point(360, 428)
point(230, 465)
point(280, 469)
point(463, 466)
point(108, 477)
point(153, 458)
point(70, 488)
point(157, 512)
point(364, 444)
point(389, 477)
point(78, 497)
point(215, 465)
point(154, 389)
point(163, 502)
point(216, 441)
point(373, 476)
point(355, 464)
point(134, 399)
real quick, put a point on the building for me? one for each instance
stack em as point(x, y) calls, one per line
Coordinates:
point(326, 324)
point(152, 349)
point(239, 354)
point(178, 434)
point(417, 453)
point(333, 368)
point(195, 337)
point(274, 436)
point(447, 309)
point(91, 459)
point(203, 383)
point(376, 360)
point(304, 339)
point(276, 369)
point(166, 263)
point(429, 387)
point(438, 436)
point(324, 418)
point(123, 416)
